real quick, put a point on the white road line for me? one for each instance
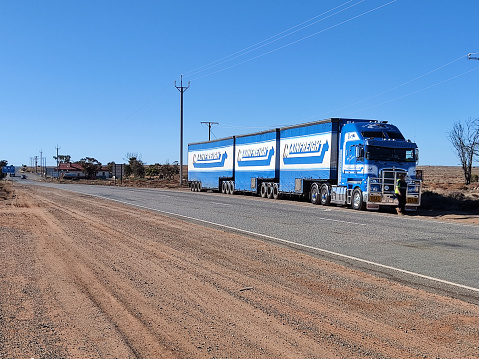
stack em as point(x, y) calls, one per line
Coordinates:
point(221, 204)
point(341, 221)
point(303, 246)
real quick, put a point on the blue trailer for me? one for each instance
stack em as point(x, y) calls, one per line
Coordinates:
point(335, 161)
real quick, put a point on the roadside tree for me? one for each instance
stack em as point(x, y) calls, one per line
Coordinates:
point(2, 163)
point(90, 166)
point(62, 158)
point(153, 170)
point(135, 166)
point(465, 139)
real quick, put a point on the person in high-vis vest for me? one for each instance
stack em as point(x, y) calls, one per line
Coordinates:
point(401, 188)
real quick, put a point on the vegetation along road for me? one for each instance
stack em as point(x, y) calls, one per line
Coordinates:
point(203, 275)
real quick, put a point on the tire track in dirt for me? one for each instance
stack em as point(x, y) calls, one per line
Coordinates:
point(204, 293)
point(199, 291)
point(72, 264)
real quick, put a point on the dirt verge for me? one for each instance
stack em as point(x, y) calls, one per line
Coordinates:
point(87, 278)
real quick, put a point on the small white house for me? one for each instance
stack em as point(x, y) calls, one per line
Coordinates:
point(75, 171)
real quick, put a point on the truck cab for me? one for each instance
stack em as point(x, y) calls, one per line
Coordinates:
point(371, 156)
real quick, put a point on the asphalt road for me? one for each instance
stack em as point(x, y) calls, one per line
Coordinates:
point(402, 247)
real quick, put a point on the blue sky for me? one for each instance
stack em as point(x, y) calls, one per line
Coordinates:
point(97, 78)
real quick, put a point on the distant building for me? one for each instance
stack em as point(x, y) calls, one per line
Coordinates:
point(75, 171)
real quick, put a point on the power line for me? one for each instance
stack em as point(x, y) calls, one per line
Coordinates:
point(391, 89)
point(414, 92)
point(296, 41)
point(268, 42)
point(148, 102)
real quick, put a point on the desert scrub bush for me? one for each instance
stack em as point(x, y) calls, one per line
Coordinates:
point(453, 201)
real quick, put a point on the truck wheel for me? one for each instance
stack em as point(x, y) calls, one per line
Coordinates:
point(276, 194)
point(198, 187)
point(357, 202)
point(223, 187)
point(270, 191)
point(325, 195)
point(315, 195)
point(264, 190)
point(192, 186)
point(231, 187)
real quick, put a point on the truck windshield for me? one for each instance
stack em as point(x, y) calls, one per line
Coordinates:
point(379, 134)
point(376, 153)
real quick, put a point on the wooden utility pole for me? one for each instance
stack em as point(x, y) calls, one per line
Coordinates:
point(182, 90)
point(58, 170)
point(209, 128)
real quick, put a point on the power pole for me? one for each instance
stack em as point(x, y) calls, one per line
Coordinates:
point(470, 57)
point(182, 89)
point(36, 163)
point(209, 128)
point(58, 170)
point(41, 163)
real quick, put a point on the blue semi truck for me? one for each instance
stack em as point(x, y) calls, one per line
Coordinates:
point(340, 161)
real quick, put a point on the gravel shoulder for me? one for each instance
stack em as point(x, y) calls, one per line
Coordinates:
point(82, 277)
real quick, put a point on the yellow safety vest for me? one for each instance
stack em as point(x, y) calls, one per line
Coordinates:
point(397, 186)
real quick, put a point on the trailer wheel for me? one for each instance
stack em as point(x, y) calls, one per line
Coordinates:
point(231, 187)
point(315, 194)
point(264, 190)
point(198, 187)
point(276, 194)
point(270, 190)
point(325, 195)
point(357, 203)
point(192, 184)
point(223, 187)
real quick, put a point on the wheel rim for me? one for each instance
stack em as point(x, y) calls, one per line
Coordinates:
point(357, 199)
point(324, 195)
point(314, 194)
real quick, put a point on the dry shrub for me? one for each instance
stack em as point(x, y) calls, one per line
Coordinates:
point(456, 201)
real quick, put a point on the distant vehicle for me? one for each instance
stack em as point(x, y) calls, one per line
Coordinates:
point(23, 177)
point(336, 161)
